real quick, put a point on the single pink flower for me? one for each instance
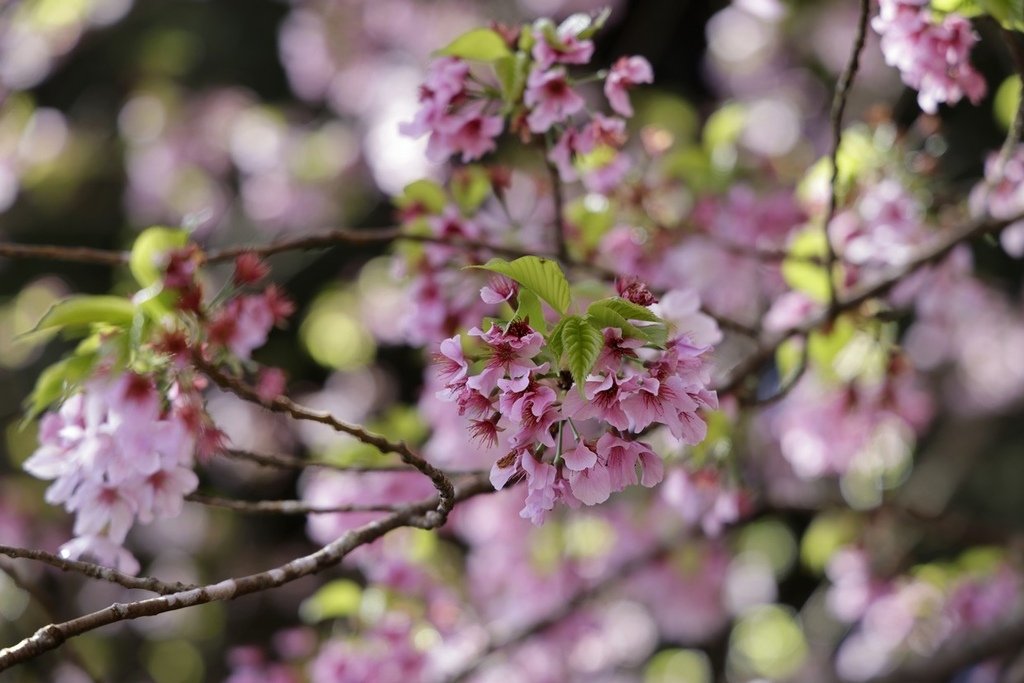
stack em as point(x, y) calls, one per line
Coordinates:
point(624, 74)
point(550, 98)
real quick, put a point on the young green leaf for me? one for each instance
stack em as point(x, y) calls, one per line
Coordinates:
point(582, 343)
point(149, 251)
point(541, 276)
point(555, 340)
point(81, 311)
point(530, 310)
point(603, 316)
point(479, 45)
point(424, 194)
point(627, 309)
point(54, 382)
point(471, 185)
point(801, 275)
point(511, 73)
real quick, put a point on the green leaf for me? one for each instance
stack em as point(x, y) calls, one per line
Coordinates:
point(723, 127)
point(470, 185)
point(627, 309)
point(656, 335)
point(967, 8)
point(425, 194)
point(602, 317)
point(809, 278)
point(1006, 101)
point(613, 312)
point(541, 276)
point(82, 311)
point(147, 260)
point(1009, 13)
point(555, 340)
point(595, 23)
point(480, 45)
point(582, 342)
point(338, 598)
point(594, 216)
point(530, 310)
point(511, 73)
point(55, 381)
point(825, 345)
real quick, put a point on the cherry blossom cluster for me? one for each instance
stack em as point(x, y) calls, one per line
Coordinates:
point(121, 445)
point(576, 444)
point(933, 56)
point(235, 321)
point(464, 115)
point(116, 454)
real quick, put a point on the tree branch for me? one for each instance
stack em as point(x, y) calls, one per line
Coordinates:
point(839, 102)
point(52, 636)
point(284, 507)
point(95, 571)
point(290, 462)
point(283, 404)
point(927, 255)
point(46, 252)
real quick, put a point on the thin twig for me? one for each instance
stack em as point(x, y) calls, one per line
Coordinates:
point(786, 384)
point(561, 226)
point(283, 507)
point(47, 252)
point(45, 604)
point(333, 238)
point(939, 248)
point(95, 571)
point(839, 101)
point(283, 404)
point(290, 462)
point(52, 636)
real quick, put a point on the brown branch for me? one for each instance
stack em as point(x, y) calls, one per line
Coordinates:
point(786, 384)
point(561, 226)
point(95, 571)
point(839, 102)
point(45, 604)
point(290, 462)
point(939, 248)
point(46, 252)
point(333, 238)
point(283, 404)
point(283, 507)
point(53, 636)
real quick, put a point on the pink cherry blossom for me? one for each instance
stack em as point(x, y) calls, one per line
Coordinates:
point(566, 48)
point(932, 56)
point(550, 98)
point(624, 74)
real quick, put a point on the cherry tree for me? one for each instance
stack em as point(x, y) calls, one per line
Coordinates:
point(663, 362)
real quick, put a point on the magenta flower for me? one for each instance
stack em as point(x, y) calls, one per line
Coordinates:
point(602, 400)
point(932, 57)
point(624, 74)
point(510, 354)
point(470, 131)
point(566, 49)
point(550, 98)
